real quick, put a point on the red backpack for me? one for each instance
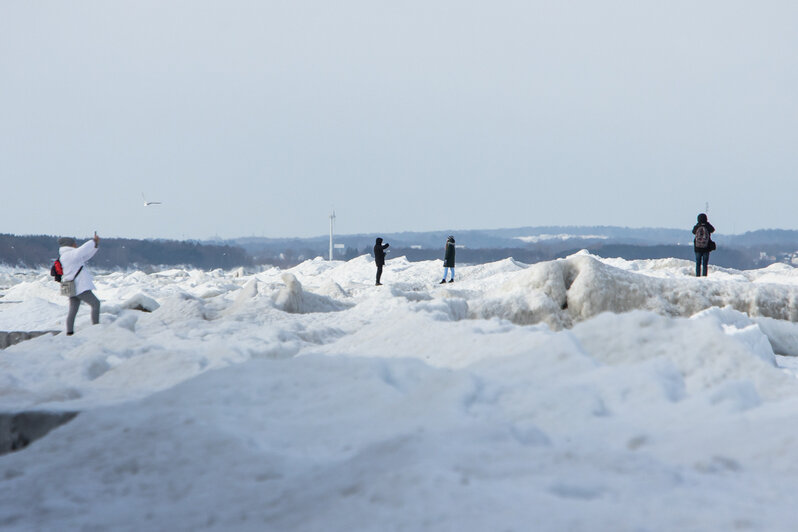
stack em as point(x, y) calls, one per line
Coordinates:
point(56, 271)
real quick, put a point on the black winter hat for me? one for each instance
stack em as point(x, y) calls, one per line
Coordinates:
point(451, 238)
point(702, 218)
point(379, 240)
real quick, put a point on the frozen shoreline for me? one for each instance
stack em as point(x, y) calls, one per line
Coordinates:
point(308, 399)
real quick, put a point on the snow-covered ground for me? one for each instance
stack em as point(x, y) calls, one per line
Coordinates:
point(578, 394)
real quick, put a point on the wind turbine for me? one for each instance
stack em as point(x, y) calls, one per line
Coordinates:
point(148, 203)
point(332, 222)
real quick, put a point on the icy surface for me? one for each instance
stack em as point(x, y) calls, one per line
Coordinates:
point(578, 394)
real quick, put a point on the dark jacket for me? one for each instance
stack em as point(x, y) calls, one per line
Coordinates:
point(448, 256)
point(702, 220)
point(379, 252)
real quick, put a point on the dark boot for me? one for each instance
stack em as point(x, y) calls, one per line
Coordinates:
point(442, 281)
point(451, 280)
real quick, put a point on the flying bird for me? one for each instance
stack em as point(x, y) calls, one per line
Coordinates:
point(148, 203)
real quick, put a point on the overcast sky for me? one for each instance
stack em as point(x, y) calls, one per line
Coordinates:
point(256, 118)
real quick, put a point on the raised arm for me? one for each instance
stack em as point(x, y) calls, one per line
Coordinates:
point(86, 251)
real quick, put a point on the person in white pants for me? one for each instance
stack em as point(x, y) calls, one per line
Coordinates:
point(73, 260)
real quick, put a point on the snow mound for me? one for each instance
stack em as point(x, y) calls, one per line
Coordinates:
point(564, 292)
point(783, 335)
point(141, 302)
point(293, 299)
point(581, 392)
point(35, 289)
point(182, 306)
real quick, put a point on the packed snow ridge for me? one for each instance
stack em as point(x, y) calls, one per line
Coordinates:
point(563, 292)
point(237, 310)
point(577, 394)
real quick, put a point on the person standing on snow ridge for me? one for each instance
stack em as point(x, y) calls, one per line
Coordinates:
point(73, 259)
point(379, 258)
point(448, 259)
point(702, 244)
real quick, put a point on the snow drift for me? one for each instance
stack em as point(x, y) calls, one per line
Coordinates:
point(563, 292)
point(578, 394)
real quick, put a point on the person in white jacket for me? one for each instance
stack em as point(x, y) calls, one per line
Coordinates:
point(73, 260)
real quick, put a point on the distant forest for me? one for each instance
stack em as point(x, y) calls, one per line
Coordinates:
point(738, 258)
point(749, 252)
point(41, 250)
point(746, 251)
point(726, 257)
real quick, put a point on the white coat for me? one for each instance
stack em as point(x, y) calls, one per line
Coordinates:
point(71, 261)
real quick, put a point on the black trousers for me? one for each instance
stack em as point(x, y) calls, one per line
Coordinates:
point(379, 272)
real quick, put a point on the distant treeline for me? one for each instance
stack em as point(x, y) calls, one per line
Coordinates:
point(754, 249)
point(41, 250)
point(726, 257)
point(738, 258)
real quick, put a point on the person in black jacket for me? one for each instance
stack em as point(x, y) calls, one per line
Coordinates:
point(702, 244)
point(448, 259)
point(379, 258)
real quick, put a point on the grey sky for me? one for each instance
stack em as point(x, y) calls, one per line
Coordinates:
point(254, 118)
